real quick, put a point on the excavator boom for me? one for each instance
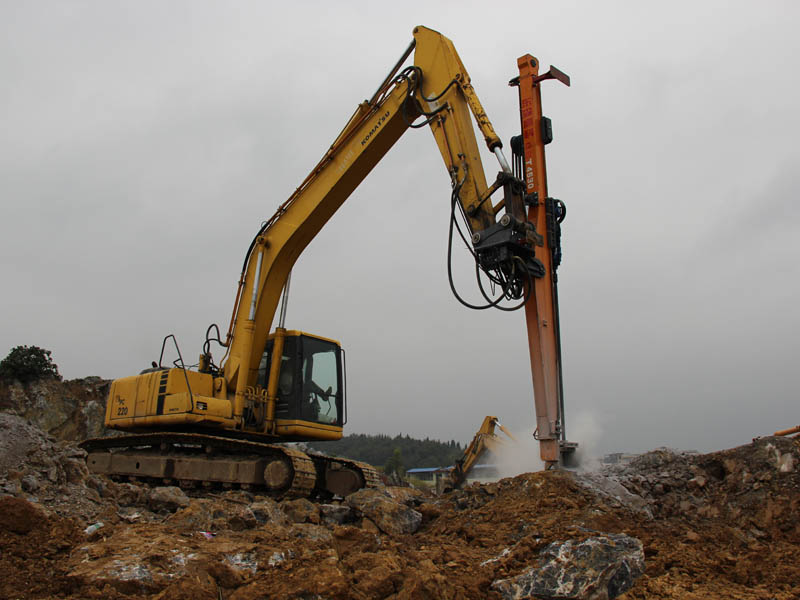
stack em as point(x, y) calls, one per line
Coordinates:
point(374, 128)
point(485, 440)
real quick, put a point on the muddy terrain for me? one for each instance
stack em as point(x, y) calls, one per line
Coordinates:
point(666, 525)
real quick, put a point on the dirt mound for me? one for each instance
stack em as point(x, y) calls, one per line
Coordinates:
point(720, 525)
point(748, 485)
point(34, 550)
point(36, 466)
point(725, 524)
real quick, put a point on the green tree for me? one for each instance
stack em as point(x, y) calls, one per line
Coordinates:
point(28, 363)
point(378, 449)
point(395, 463)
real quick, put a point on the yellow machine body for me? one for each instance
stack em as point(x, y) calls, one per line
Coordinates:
point(183, 400)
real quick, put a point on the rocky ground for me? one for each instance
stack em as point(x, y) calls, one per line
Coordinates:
point(667, 525)
point(67, 410)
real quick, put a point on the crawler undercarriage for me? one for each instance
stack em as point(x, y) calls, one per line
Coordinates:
point(198, 460)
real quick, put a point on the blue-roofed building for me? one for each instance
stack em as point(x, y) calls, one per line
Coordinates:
point(477, 473)
point(424, 473)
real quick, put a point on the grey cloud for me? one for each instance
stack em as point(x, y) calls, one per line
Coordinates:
point(142, 145)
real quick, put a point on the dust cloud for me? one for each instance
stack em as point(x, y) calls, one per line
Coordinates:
point(522, 456)
point(585, 428)
point(514, 458)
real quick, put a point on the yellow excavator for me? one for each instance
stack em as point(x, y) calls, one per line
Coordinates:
point(222, 425)
point(485, 440)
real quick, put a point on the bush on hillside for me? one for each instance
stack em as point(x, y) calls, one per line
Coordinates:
point(27, 364)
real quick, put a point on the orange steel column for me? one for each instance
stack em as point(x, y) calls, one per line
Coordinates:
point(540, 310)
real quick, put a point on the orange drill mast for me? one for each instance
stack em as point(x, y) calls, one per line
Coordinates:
point(541, 309)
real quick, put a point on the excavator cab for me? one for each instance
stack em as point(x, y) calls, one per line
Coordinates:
point(310, 380)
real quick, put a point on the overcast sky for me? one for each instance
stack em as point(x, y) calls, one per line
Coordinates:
point(142, 144)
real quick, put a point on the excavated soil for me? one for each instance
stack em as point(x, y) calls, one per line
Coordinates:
point(721, 525)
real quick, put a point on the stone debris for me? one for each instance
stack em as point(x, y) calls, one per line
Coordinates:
point(243, 562)
point(406, 495)
point(301, 510)
point(500, 556)
point(66, 410)
point(784, 462)
point(336, 513)
point(668, 525)
point(385, 513)
point(266, 510)
point(276, 559)
point(614, 492)
point(597, 568)
point(167, 499)
point(35, 465)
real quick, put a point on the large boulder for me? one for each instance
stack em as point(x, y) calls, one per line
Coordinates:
point(168, 498)
point(390, 516)
point(335, 513)
point(597, 568)
point(197, 516)
point(613, 492)
point(128, 494)
point(406, 495)
point(300, 510)
point(266, 510)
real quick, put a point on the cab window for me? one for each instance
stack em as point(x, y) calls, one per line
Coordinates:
point(321, 400)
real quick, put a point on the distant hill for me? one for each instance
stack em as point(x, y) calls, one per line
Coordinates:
point(377, 449)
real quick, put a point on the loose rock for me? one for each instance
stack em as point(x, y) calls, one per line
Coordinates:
point(336, 513)
point(735, 536)
point(267, 510)
point(597, 568)
point(169, 498)
point(301, 510)
point(389, 516)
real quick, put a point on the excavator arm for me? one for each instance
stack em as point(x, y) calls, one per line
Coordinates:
point(485, 440)
point(437, 87)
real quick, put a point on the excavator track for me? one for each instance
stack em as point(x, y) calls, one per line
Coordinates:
point(367, 475)
point(190, 459)
point(371, 477)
